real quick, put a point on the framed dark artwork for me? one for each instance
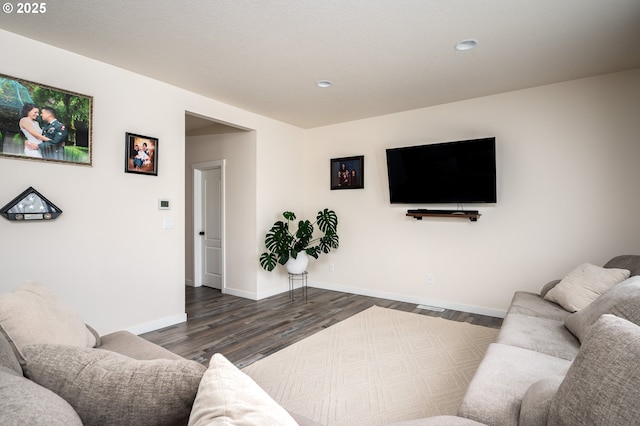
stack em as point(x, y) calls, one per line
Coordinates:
point(347, 172)
point(43, 123)
point(141, 154)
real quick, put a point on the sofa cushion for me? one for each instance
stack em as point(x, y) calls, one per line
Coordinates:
point(538, 334)
point(601, 386)
point(622, 300)
point(536, 401)
point(583, 285)
point(23, 402)
point(107, 388)
point(32, 314)
point(227, 396)
point(532, 304)
point(501, 380)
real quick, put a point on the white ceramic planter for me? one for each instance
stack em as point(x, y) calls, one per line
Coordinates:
point(299, 264)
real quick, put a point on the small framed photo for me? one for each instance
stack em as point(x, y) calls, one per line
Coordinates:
point(141, 154)
point(347, 172)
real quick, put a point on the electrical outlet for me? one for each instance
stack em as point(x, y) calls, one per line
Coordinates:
point(332, 267)
point(429, 279)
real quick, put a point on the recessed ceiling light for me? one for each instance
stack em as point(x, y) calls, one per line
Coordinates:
point(466, 44)
point(324, 84)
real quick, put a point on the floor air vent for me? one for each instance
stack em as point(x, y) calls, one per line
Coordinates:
point(431, 308)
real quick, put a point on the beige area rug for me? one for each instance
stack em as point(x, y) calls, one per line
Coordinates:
point(376, 367)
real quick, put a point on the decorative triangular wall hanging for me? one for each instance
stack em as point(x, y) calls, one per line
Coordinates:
point(30, 205)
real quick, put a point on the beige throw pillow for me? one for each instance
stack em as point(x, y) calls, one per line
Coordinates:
point(31, 314)
point(583, 285)
point(229, 397)
point(621, 300)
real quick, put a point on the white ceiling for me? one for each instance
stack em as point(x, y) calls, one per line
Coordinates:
point(383, 56)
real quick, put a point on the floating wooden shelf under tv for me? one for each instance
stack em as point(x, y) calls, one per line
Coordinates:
point(472, 215)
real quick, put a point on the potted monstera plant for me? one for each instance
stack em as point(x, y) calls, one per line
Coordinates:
point(292, 248)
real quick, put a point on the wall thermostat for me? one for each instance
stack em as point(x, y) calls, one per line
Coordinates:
point(164, 204)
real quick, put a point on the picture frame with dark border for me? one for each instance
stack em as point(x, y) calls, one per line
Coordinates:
point(141, 154)
point(44, 123)
point(347, 172)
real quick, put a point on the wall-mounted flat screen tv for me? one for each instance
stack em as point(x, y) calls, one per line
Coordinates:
point(450, 172)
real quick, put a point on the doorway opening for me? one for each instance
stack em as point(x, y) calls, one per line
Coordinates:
point(205, 220)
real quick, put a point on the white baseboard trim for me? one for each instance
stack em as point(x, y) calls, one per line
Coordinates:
point(240, 293)
point(366, 292)
point(410, 299)
point(158, 324)
point(253, 296)
point(264, 295)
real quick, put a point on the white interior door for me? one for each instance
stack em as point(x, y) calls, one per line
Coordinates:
point(212, 231)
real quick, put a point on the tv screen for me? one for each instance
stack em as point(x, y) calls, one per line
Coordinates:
point(451, 172)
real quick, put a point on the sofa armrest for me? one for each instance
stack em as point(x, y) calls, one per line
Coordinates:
point(625, 261)
point(548, 286)
point(126, 343)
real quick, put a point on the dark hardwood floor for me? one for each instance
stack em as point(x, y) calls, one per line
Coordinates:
point(245, 330)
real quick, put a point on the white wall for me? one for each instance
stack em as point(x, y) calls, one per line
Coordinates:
point(282, 167)
point(108, 254)
point(567, 193)
point(567, 155)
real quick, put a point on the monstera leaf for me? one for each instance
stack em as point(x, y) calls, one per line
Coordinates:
point(268, 261)
point(329, 241)
point(327, 220)
point(304, 234)
point(278, 238)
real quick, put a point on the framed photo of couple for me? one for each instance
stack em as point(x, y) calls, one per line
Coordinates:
point(141, 154)
point(43, 123)
point(347, 172)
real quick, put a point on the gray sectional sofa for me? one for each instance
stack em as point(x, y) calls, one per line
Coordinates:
point(519, 376)
point(549, 366)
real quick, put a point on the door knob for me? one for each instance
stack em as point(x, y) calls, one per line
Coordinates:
point(201, 233)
